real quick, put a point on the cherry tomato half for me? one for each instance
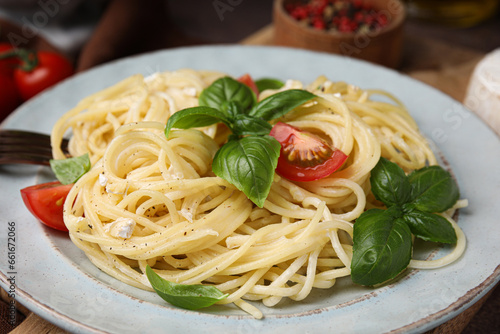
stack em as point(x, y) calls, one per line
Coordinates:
point(304, 156)
point(46, 201)
point(51, 69)
point(247, 80)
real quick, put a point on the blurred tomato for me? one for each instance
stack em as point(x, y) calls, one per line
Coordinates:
point(7, 65)
point(51, 68)
point(9, 97)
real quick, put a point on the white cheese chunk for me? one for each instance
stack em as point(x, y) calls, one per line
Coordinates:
point(103, 179)
point(120, 228)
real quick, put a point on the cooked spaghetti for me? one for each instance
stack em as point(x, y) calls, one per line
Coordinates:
point(152, 201)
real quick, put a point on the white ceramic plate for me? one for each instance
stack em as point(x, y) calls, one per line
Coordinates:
point(55, 280)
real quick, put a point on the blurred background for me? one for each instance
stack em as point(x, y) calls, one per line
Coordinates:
point(442, 39)
point(202, 23)
point(74, 26)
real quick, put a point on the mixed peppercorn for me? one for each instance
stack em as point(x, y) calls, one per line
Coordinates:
point(337, 15)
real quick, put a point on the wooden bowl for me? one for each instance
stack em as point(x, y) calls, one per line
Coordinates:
point(381, 46)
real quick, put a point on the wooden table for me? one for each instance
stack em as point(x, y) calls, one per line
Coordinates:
point(442, 65)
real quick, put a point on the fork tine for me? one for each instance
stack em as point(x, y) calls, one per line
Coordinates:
point(26, 147)
point(33, 139)
point(24, 159)
point(23, 134)
point(16, 137)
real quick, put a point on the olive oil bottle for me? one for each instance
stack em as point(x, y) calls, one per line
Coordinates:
point(456, 13)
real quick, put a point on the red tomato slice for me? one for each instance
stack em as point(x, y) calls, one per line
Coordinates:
point(45, 201)
point(303, 156)
point(51, 69)
point(247, 80)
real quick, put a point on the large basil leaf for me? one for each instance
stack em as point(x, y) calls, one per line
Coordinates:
point(430, 227)
point(389, 183)
point(433, 189)
point(280, 103)
point(191, 297)
point(249, 163)
point(381, 247)
point(195, 117)
point(225, 90)
point(69, 170)
point(247, 125)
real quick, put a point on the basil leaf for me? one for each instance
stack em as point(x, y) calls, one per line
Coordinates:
point(268, 83)
point(381, 247)
point(191, 297)
point(232, 109)
point(249, 163)
point(395, 211)
point(195, 117)
point(280, 103)
point(430, 227)
point(433, 189)
point(389, 183)
point(247, 125)
point(70, 170)
point(226, 90)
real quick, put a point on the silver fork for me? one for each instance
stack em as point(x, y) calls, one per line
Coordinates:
point(25, 147)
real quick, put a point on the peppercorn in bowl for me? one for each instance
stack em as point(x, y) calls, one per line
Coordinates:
point(371, 30)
